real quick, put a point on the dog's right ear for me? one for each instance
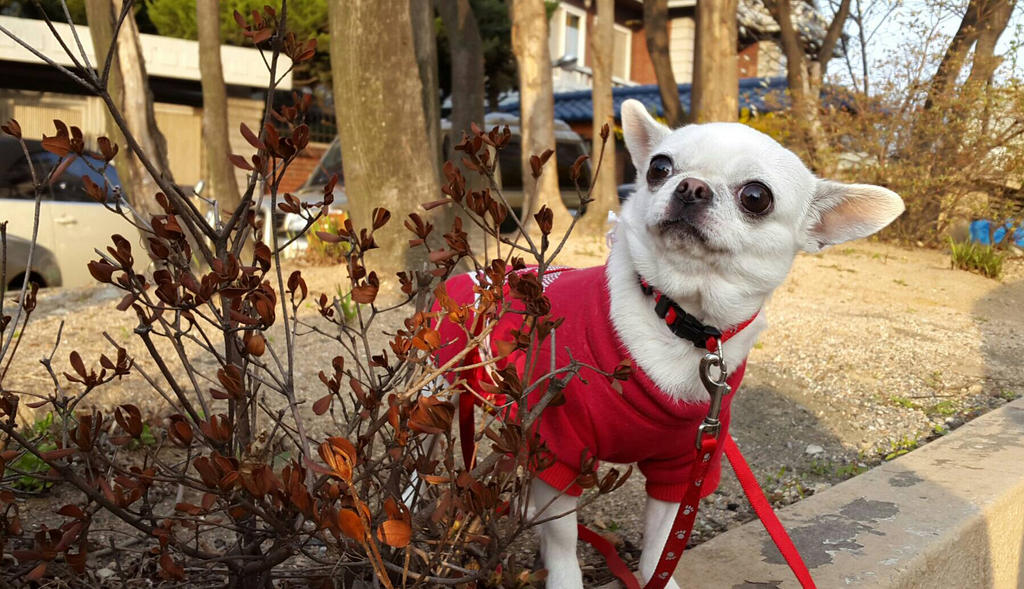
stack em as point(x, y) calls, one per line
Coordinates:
point(842, 212)
point(641, 132)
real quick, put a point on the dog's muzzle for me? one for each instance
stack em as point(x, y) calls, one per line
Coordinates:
point(687, 209)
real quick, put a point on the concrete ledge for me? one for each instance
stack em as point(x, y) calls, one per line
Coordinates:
point(950, 514)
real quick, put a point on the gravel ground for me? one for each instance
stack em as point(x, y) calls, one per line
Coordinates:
point(871, 351)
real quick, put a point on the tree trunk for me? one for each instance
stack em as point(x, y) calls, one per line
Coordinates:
point(389, 158)
point(129, 89)
point(955, 55)
point(804, 76)
point(467, 72)
point(220, 172)
point(991, 27)
point(602, 45)
point(716, 83)
point(656, 33)
point(536, 107)
point(425, 42)
point(792, 48)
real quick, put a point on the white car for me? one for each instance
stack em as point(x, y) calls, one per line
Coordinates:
point(45, 271)
point(71, 224)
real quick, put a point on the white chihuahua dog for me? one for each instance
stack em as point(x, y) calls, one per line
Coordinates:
point(718, 215)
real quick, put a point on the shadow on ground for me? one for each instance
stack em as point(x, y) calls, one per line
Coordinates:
point(1000, 319)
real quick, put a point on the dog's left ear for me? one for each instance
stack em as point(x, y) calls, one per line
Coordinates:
point(641, 132)
point(842, 212)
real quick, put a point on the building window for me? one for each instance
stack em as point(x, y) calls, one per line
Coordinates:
point(622, 57)
point(573, 35)
point(568, 36)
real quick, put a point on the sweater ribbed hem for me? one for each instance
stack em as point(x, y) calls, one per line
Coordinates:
point(561, 477)
point(674, 492)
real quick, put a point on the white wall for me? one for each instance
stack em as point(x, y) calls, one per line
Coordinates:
point(165, 56)
point(681, 33)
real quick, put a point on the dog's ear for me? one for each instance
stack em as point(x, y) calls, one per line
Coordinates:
point(841, 212)
point(641, 132)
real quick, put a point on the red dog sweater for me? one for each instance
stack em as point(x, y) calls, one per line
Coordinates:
point(641, 424)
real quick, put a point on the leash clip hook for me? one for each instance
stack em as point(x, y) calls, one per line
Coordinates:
point(717, 389)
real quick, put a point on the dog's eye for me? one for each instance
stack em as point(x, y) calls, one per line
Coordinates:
point(660, 168)
point(756, 198)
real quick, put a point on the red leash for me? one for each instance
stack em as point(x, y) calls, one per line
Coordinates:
point(766, 514)
point(682, 526)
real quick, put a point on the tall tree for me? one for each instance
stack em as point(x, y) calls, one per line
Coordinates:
point(536, 107)
point(388, 156)
point(716, 81)
point(466, 74)
point(602, 45)
point(805, 71)
point(467, 66)
point(129, 89)
point(981, 26)
point(656, 33)
point(219, 170)
point(956, 52)
point(995, 18)
point(494, 27)
point(424, 40)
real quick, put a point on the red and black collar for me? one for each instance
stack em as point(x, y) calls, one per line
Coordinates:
point(686, 326)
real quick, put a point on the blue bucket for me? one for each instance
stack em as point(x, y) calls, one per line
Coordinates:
point(981, 232)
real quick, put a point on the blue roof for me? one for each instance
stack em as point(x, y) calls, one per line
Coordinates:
point(577, 106)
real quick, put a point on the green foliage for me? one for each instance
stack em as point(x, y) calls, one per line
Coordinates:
point(307, 19)
point(177, 18)
point(848, 471)
point(904, 402)
point(832, 470)
point(145, 438)
point(319, 251)
point(51, 8)
point(900, 447)
point(349, 308)
point(943, 408)
point(975, 257)
point(30, 464)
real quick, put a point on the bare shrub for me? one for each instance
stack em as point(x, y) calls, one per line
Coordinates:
point(241, 482)
point(952, 160)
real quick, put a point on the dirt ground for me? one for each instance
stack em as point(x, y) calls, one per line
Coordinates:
point(871, 351)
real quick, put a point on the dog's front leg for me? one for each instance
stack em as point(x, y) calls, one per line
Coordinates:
point(557, 536)
point(658, 516)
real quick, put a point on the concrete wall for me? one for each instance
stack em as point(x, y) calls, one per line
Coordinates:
point(950, 514)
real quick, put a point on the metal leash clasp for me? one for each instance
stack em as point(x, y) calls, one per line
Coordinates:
point(717, 389)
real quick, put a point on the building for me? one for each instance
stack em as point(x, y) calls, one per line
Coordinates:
point(35, 93)
point(759, 52)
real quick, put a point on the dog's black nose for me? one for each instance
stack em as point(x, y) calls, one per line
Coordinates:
point(692, 190)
